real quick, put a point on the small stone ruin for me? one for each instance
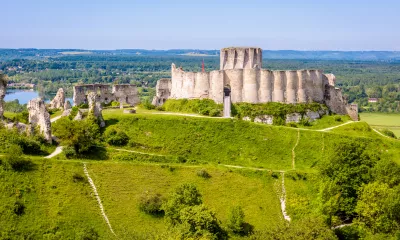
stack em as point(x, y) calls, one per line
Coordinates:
point(3, 88)
point(163, 91)
point(95, 108)
point(123, 93)
point(58, 101)
point(39, 117)
point(67, 109)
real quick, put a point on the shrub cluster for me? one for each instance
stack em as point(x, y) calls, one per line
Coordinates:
point(151, 203)
point(205, 107)
point(115, 137)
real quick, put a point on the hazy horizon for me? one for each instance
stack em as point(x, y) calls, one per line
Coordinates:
point(159, 25)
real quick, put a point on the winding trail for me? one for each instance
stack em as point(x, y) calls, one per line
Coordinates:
point(293, 153)
point(330, 128)
point(283, 200)
point(96, 194)
point(56, 152)
point(55, 118)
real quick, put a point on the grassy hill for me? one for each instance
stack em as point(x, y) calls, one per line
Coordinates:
point(166, 151)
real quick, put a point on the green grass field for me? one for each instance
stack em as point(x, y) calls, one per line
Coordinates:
point(60, 204)
point(383, 120)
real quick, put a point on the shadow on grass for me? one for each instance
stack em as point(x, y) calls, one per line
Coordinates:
point(112, 121)
point(18, 165)
point(95, 153)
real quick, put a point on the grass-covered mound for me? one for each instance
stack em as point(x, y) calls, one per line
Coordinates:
point(230, 141)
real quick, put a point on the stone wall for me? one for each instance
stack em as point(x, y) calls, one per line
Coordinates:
point(39, 117)
point(352, 111)
point(163, 91)
point(124, 93)
point(3, 89)
point(250, 85)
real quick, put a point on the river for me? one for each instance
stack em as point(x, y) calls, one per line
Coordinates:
point(24, 95)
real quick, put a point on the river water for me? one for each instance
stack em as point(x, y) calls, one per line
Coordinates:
point(25, 95)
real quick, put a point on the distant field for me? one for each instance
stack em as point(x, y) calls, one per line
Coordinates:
point(383, 120)
point(76, 53)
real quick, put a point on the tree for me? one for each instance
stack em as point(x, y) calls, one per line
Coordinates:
point(236, 221)
point(379, 207)
point(81, 135)
point(185, 195)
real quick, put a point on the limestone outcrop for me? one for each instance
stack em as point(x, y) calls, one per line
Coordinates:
point(58, 101)
point(123, 93)
point(163, 91)
point(67, 109)
point(39, 117)
point(79, 116)
point(95, 108)
point(3, 88)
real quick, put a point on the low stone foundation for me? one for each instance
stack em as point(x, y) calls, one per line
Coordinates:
point(292, 117)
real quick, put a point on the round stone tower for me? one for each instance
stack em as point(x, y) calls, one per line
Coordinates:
point(240, 58)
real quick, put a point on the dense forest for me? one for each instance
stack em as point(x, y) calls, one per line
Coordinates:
point(360, 80)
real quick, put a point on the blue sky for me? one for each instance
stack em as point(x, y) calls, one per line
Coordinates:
point(201, 24)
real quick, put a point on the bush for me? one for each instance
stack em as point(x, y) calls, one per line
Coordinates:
point(19, 208)
point(77, 177)
point(236, 222)
point(388, 133)
point(338, 119)
point(198, 221)
point(185, 195)
point(160, 108)
point(151, 204)
point(147, 105)
point(116, 137)
point(69, 152)
point(305, 122)
point(200, 106)
point(14, 160)
point(203, 173)
point(292, 124)
point(81, 135)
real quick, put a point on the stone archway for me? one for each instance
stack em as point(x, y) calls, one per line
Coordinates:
point(227, 101)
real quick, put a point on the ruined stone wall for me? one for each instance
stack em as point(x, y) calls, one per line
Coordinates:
point(39, 117)
point(352, 111)
point(163, 91)
point(3, 89)
point(250, 85)
point(125, 94)
point(240, 58)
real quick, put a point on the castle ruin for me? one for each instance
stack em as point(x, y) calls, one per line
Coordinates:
point(122, 93)
point(242, 77)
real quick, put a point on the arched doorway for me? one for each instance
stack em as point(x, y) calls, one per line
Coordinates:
point(227, 101)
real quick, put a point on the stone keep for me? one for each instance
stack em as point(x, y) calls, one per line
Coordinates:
point(58, 100)
point(95, 108)
point(3, 88)
point(39, 117)
point(241, 72)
